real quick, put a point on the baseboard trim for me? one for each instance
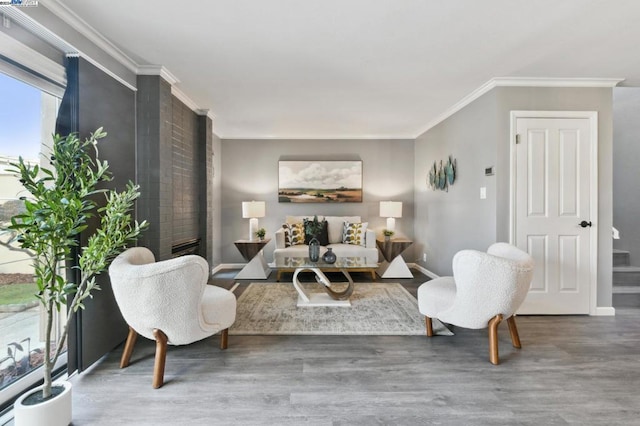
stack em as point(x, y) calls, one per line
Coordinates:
point(605, 311)
point(423, 270)
point(222, 266)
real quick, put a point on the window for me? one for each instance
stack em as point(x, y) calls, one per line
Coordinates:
point(27, 121)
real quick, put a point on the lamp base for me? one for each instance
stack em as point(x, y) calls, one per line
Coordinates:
point(253, 228)
point(391, 223)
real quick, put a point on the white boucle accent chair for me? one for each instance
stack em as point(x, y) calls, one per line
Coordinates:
point(169, 302)
point(485, 289)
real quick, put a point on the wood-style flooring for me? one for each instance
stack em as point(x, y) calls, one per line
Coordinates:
point(576, 370)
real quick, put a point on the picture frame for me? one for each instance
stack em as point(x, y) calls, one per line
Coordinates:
point(320, 181)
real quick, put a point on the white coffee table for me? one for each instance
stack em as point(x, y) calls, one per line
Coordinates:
point(330, 297)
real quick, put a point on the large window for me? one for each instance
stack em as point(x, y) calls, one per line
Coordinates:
point(27, 121)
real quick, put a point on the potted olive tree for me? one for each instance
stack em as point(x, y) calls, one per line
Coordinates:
point(60, 202)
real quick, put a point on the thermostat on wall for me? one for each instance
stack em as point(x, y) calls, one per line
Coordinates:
point(488, 171)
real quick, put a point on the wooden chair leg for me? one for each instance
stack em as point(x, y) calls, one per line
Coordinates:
point(373, 275)
point(161, 357)
point(429, 326)
point(493, 339)
point(278, 276)
point(224, 338)
point(128, 348)
point(515, 338)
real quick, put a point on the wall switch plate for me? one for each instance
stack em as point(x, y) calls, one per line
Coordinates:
point(424, 257)
point(483, 192)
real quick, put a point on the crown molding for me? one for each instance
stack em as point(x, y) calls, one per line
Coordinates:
point(158, 70)
point(182, 97)
point(86, 30)
point(206, 113)
point(520, 82)
point(556, 82)
point(94, 36)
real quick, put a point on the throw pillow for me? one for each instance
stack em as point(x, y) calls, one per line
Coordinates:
point(322, 236)
point(293, 234)
point(336, 225)
point(354, 233)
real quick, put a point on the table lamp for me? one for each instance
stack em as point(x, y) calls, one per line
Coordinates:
point(252, 210)
point(391, 210)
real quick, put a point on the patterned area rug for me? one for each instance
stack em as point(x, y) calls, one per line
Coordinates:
point(376, 309)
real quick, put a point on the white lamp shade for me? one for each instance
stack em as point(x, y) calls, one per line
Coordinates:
point(251, 209)
point(390, 208)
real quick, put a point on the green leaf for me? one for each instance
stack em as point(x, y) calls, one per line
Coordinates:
point(61, 203)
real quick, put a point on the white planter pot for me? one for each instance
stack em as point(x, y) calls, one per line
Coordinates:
point(54, 412)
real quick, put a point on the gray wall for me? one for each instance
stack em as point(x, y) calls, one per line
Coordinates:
point(204, 142)
point(250, 172)
point(449, 221)
point(626, 192)
point(216, 212)
point(478, 136)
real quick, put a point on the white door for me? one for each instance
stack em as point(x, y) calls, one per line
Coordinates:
point(553, 209)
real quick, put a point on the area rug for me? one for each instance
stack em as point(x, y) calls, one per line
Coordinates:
point(376, 309)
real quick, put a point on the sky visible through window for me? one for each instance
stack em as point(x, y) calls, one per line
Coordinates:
point(20, 118)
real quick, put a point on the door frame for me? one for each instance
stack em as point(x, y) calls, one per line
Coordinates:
point(592, 116)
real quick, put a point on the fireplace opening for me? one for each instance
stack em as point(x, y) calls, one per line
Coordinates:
point(185, 247)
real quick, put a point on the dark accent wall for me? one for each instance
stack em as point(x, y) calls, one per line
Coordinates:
point(175, 160)
point(185, 179)
point(104, 102)
point(155, 163)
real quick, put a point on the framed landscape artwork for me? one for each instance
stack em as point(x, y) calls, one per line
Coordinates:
point(320, 181)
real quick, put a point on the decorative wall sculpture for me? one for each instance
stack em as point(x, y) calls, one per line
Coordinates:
point(443, 176)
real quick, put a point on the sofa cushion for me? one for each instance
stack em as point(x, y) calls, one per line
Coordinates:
point(300, 219)
point(293, 234)
point(322, 236)
point(354, 233)
point(335, 226)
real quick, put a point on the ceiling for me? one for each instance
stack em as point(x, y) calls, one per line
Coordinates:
point(361, 68)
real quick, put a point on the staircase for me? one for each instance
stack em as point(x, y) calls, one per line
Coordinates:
point(626, 281)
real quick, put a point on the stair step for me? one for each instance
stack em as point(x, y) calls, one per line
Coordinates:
point(626, 276)
point(626, 300)
point(626, 289)
point(621, 257)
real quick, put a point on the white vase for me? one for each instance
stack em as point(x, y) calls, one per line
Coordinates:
point(53, 412)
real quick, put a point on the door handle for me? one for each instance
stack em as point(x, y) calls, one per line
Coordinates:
point(584, 223)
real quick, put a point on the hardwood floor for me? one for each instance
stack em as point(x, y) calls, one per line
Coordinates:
point(571, 370)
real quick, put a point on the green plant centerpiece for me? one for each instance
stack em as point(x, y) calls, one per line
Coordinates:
point(312, 229)
point(388, 233)
point(59, 204)
point(260, 233)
